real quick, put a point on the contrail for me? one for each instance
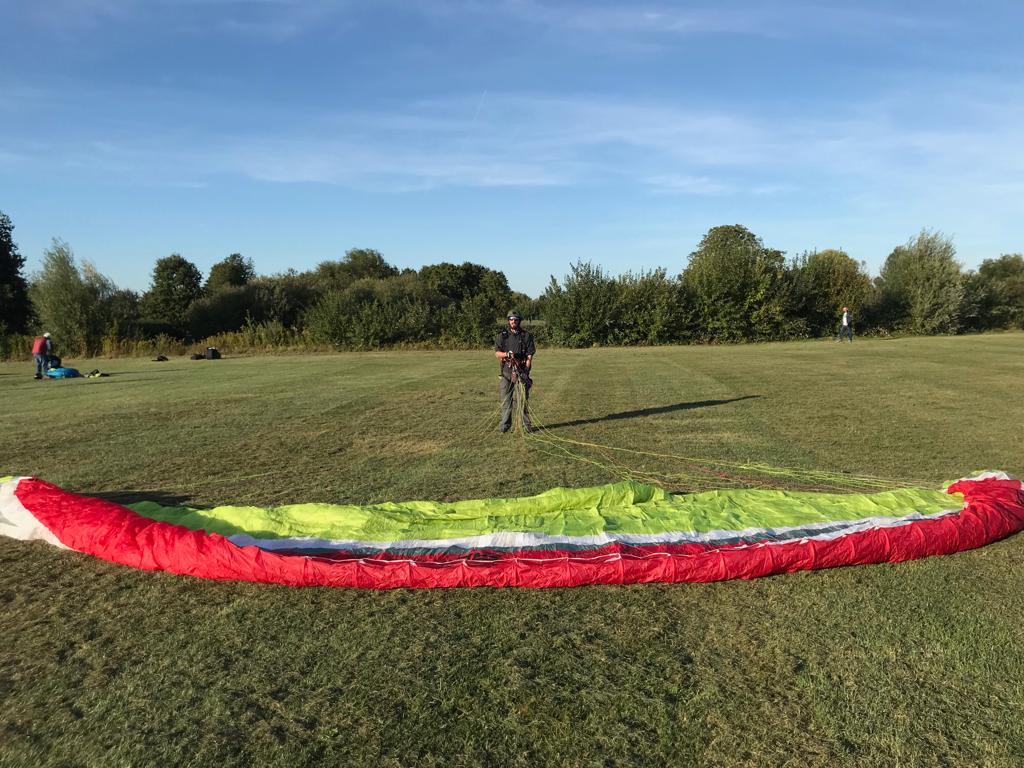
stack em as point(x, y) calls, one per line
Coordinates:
point(479, 102)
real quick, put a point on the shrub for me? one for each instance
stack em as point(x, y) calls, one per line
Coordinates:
point(585, 311)
point(920, 286)
point(738, 288)
point(652, 309)
point(372, 313)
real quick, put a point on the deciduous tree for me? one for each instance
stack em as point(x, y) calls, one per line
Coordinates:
point(584, 311)
point(15, 307)
point(358, 263)
point(921, 286)
point(737, 287)
point(1004, 279)
point(75, 304)
point(176, 284)
point(234, 270)
point(825, 282)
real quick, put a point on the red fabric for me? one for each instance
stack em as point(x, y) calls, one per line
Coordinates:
point(993, 510)
point(39, 345)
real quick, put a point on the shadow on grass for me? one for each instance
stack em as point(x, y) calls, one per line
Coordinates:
point(144, 371)
point(199, 513)
point(649, 411)
point(162, 498)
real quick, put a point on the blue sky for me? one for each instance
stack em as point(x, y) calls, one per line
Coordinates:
point(519, 134)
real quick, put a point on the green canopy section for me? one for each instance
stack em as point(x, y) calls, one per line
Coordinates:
point(621, 508)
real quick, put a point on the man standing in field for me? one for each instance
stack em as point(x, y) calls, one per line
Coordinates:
point(515, 349)
point(845, 326)
point(42, 348)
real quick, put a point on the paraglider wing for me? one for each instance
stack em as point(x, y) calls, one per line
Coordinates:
point(615, 534)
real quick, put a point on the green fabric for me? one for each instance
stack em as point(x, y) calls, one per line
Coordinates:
point(6, 479)
point(626, 507)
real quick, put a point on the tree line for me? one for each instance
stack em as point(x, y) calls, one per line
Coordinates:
point(733, 288)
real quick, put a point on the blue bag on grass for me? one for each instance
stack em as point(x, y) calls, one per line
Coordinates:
point(63, 373)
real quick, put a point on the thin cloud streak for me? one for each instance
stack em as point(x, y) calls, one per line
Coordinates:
point(66, 16)
point(637, 27)
point(281, 21)
point(273, 20)
point(377, 167)
point(689, 185)
point(526, 140)
point(659, 19)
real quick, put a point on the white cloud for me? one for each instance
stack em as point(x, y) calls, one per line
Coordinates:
point(12, 158)
point(279, 20)
point(274, 20)
point(524, 140)
point(754, 19)
point(688, 185)
point(330, 161)
point(901, 145)
point(75, 15)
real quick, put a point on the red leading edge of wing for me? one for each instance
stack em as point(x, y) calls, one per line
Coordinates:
point(993, 509)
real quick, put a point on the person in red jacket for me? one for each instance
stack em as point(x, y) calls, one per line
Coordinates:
point(42, 348)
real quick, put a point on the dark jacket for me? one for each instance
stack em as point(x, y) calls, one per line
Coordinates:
point(520, 344)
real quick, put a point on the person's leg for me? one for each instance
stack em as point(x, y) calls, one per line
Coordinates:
point(505, 391)
point(526, 409)
point(40, 366)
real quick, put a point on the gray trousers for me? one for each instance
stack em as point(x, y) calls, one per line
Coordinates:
point(506, 391)
point(845, 330)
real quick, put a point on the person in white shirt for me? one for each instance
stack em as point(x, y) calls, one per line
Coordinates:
point(845, 325)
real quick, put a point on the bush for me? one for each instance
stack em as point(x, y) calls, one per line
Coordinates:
point(161, 344)
point(920, 286)
point(372, 313)
point(652, 309)
point(285, 298)
point(15, 346)
point(1001, 283)
point(585, 311)
point(738, 289)
point(823, 283)
point(469, 300)
point(75, 305)
point(226, 310)
point(258, 337)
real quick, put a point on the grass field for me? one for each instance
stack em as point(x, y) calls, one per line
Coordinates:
point(911, 664)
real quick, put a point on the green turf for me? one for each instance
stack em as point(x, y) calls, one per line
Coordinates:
point(910, 664)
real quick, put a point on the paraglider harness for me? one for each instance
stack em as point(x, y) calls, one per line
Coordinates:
point(517, 370)
point(516, 366)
